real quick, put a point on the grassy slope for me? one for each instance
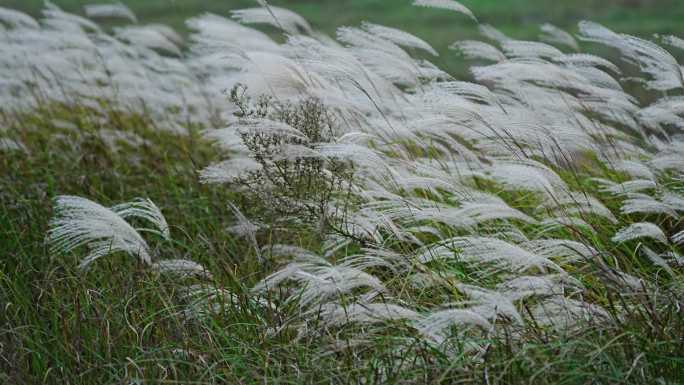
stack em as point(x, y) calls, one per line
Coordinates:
point(115, 324)
point(119, 323)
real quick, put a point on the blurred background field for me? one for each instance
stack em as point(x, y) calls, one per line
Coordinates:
point(519, 18)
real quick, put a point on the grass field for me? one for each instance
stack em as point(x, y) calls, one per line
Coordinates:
point(121, 322)
point(519, 18)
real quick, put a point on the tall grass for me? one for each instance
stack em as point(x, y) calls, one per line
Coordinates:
point(341, 210)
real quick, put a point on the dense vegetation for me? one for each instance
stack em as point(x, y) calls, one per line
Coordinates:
point(224, 205)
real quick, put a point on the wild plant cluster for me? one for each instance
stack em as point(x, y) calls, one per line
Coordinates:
point(458, 221)
point(287, 179)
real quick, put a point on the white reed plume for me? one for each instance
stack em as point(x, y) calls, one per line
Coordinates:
point(564, 250)
point(282, 18)
point(566, 314)
point(543, 286)
point(436, 325)
point(180, 267)
point(147, 210)
point(490, 304)
point(7, 144)
point(554, 35)
point(399, 37)
point(148, 37)
point(17, 19)
point(337, 314)
point(81, 222)
point(640, 230)
point(450, 5)
point(492, 33)
point(646, 204)
point(502, 254)
point(477, 50)
point(229, 170)
point(320, 282)
point(530, 49)
point(632, 186)
point(110, 11)
point(652, 59)
point(635, 169)
point(656, 258)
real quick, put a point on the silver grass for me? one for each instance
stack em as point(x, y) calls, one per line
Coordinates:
point(569, 203)
point(147, 210)
point(436, 325)
point(646, 204)
point(204, 300)
point(554, 35)
point(168, 32)
point(492, 33)
point(485, 250)
point(55, 13)
point(468, 90)
point(268, 127)
point(227, 139)
point(427, 280)
point(666, 111)
point(319, 283)
point(529, 49)
point(640, 230)
point(656, 258)
point(668, 161)
point(564, 222)
point(678, 238)
point(398, 70)
point(529, 71)
point(450, 5)
point(213, 33)
point(294, 152)
point(17, 19)
point(468, 215)
point(335, 314)
point(282, 18)
point(299, 254)
point(181, 267)
point(81, 222)
point(564, 250)
point(673, 41)
point(635, 169)
point(490, 304)
point(565, 314)
point(399, 37)
point(109, 11)
point(371, 259)
point(544, 286)
point(588, 60)
point(369, 160)
point(653, 60)
point(149, 38)
point(361, 39)
point(527, 175)
point(477, 50)
point(7, 144)
point(631, 186)
point(114, 138)
point(228, 171)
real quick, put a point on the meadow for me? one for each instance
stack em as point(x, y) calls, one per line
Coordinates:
point(359, 192)
point(518, 18)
